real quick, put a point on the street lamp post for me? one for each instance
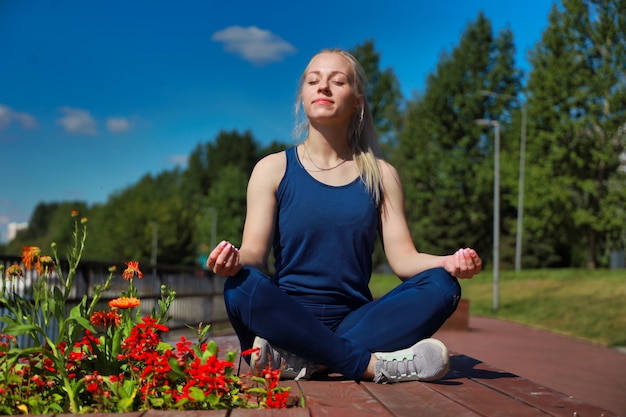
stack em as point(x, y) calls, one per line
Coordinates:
point(520, 187)
point(520, 191)
point(496, 208)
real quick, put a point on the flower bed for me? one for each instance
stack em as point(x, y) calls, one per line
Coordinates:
point(112, 360)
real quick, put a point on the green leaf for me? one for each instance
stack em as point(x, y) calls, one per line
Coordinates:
point(58, 295)
point(212, 348)
point(196, 394)
point(21, 329)
point(125, 405)
point(163, 346)
point(156, 402)
point(176, 372)
point(231, 356)
point(76, 311)
point(116, 342)
point(204, 332)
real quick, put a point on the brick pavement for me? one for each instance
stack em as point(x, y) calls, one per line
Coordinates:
point(586, 371)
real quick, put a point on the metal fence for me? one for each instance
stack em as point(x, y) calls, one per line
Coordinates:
point(199, 294)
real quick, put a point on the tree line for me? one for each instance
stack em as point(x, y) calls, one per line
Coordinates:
point(574, 102)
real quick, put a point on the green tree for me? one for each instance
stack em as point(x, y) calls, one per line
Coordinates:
point(174, 205)
point(228, 198)
point(444, 158)
point(577, 114)
point(124, 228)
point(207, 159)
point(273, 147)
point(383, 93)
point(225, 162)
point(50, 222)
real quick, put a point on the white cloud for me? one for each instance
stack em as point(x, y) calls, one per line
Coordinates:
point(118, 124)
point(8, 115)
point(253, 44)
point(178, 159)
point(77, 121)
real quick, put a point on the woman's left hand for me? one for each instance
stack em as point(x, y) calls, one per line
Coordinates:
point(464, 263)
point(224, 259)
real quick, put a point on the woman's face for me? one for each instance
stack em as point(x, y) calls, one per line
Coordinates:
point(328, 93)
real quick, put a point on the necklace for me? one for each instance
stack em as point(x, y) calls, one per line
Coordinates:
point(315, 165)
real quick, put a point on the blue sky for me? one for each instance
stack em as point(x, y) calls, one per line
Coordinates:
point(96, 94)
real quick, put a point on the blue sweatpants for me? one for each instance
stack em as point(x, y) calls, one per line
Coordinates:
point(339, 338)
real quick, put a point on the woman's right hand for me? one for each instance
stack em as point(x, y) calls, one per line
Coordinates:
point(224, 259)
point(464, 263)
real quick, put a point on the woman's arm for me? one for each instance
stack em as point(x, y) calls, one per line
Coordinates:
point(258, 229)
point(403, 257)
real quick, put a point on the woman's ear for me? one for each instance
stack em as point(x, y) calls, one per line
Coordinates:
point(358, 103)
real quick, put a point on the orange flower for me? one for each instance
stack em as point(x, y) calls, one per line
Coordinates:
point(45, 264)
point(30, 255)
point(132, 268)
point(74, 213)
point(14, 271)
point(105, 319)
point(124, 302)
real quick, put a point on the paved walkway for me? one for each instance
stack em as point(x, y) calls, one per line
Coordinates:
point(592, 373)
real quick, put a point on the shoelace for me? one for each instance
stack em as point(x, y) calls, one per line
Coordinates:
point(395, 369)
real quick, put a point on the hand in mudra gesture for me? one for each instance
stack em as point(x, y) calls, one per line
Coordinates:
point(464, 263)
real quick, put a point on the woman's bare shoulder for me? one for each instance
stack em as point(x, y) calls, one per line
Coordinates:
point(388, 172)
point(274, 161)
point(271, 167)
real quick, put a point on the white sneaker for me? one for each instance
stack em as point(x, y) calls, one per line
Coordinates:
point(427, 360)
point(291, 366)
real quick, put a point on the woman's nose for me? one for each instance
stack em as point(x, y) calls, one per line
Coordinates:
point(322, 86)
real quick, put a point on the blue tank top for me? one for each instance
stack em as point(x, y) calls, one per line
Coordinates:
point(324, 238)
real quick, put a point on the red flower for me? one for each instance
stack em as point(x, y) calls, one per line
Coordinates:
point(250, 351)
point(105, 319)
point(277, 399)
point(39, 382)
point(132, 268)
point(124, 302)
point(94, 383)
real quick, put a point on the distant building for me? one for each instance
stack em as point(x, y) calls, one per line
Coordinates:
point(13, 228)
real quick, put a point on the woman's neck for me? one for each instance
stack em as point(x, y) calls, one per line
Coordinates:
point(323, 151)
point(328, 142)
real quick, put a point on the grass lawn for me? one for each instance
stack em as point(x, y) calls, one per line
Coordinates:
point(577, 302)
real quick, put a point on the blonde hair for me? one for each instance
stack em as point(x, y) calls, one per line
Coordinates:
point(361, 132)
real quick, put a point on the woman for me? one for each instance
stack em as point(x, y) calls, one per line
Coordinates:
point(322, 204)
